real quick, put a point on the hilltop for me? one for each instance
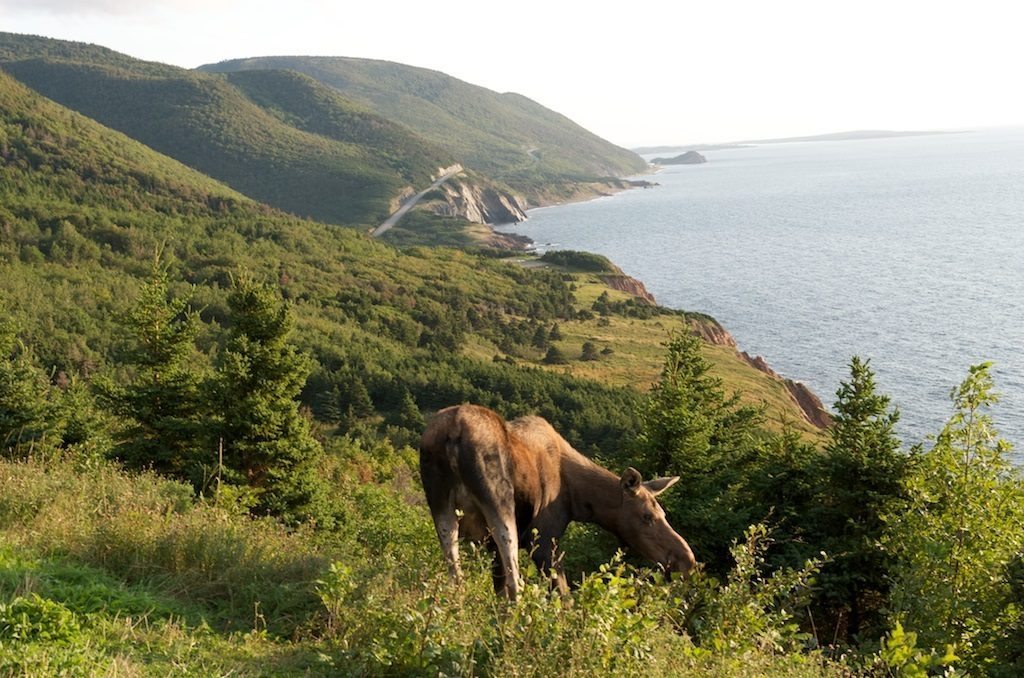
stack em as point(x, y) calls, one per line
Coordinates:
point(508, 137)
point(290, 133)
point(280, 138)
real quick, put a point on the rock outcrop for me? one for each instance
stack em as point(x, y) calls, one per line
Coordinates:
point(711, 331)
point(810, 404)
point(629, 285)
point(473, 201)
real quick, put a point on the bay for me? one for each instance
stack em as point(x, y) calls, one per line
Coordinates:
point(908, 251)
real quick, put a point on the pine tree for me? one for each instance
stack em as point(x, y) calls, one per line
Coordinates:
point(268, 444)
point(169, 422)
point(24, 389)
point(690, 428)
point(554, 356)
point(409, 415)
point(540, 338)
point(862, 472)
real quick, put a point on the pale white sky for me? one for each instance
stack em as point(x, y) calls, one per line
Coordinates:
point(636, 73)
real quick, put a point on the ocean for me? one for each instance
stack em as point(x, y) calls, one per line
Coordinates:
point(908, 251)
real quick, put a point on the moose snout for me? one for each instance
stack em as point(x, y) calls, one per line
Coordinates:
point(680, 559)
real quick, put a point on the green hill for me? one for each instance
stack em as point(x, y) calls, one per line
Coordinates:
point(85, 209)
point(281, 138)
point(506, 136)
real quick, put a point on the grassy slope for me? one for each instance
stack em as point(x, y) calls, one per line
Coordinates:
point(102, 573)
point(638, 347)
point(283, 139)
point(506, 136)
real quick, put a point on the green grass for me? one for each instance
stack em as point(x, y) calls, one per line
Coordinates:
point(103, 572)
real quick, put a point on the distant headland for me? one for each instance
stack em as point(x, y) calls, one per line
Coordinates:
point(687, 158)
point(853, 135)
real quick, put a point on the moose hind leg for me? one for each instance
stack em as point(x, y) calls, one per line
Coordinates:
point(441, 499)
point(506, 544)
point(488, 477)
point(446, 523)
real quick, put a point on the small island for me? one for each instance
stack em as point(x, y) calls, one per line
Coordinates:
point(688, 158)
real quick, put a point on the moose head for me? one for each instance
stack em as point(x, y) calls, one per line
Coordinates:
point(642, 525)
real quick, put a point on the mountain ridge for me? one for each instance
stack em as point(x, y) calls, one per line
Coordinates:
point(507, 136)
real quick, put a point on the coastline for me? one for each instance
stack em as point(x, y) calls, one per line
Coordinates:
point(704, 326)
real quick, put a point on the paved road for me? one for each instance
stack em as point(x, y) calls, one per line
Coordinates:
point(411, 202)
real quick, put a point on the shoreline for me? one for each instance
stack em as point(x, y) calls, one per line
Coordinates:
point(806, 401)
point(610, 188)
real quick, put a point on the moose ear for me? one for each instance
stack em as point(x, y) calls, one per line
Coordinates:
point(659, 485)
point(631, 480)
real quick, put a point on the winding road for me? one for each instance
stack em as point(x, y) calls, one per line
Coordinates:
point(411, 202)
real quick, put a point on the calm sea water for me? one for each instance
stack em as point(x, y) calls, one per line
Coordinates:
point(908, 251)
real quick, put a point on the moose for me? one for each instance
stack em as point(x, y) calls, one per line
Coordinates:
point(519, 484)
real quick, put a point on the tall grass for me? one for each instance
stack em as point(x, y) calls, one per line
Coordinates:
point(103, 572)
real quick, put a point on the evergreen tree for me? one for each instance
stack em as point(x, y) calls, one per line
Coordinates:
point(959, 542)
point(24, 391)
point(862, 472)
point(268, 444)
point(409, 415)
point(589, 351)
point(691, 429)
point(360, 403)
point(554, 356)
point(164, 403)
point(540, 338)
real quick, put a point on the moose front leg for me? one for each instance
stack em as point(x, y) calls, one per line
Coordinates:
point(548, 560)
point(544, 549)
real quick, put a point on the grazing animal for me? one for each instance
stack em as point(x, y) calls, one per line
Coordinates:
point(519, 484)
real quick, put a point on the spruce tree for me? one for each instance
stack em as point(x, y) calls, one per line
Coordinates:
point(24, 391)
point(690, 428)
point(267, 442)
point(409, 415)
point(168, 421)
point(861, 479)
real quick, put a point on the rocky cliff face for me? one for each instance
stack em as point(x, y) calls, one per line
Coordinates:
point(473, 201)
point(811, 405)
point(632, 286)
point(712, 332)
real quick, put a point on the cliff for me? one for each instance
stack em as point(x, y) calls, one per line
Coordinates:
point(476, 201)
point(629, 285)
point(711, 331)
point(810, 404)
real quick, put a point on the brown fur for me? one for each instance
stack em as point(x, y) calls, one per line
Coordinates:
point(520, 483)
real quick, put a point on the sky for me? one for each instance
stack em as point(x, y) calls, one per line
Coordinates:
point(636, 73)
